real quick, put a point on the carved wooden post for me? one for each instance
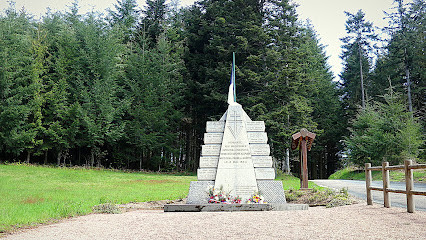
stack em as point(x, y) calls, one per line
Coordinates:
point(304, 164)
point(386, 183)
point(409, 185)
point(303, 140)
point(368, 183)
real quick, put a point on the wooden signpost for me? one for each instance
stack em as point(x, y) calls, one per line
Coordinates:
point(303, 140)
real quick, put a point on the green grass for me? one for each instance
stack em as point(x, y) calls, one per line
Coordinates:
point(351, 173)
point(36, 194)
point(292, 182)
point(31, 195)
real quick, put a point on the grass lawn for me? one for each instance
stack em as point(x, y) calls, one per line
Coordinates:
point(352, 173)
point(37, 194)
point(291, 182)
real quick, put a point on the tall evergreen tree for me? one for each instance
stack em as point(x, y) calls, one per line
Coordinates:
point(153, 20)
point(356, 48)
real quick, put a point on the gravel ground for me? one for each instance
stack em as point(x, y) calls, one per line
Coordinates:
point(357, 221)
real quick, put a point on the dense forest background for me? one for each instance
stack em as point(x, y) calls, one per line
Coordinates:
point(133, 88)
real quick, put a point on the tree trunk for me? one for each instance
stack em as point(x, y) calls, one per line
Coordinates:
point(92, 157)
point(287, 161)
point(140, 161)
point(59, 158)
point(407, 75)
point(362, 78)
point(45, 157)
point(28, 157)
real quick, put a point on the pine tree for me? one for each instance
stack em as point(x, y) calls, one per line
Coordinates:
point(384, 132)
point(125, 18)
point(356, 48)
point(153, 20)
point(20, 85)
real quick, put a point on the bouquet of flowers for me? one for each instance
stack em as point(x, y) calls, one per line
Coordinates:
point(256, 198)
point(219, 196)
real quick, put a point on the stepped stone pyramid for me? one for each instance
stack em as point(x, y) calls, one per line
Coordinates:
point(235, 157)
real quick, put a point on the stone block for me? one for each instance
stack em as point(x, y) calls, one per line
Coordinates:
point(206, 174)
point(199, 192)
point(272, 191)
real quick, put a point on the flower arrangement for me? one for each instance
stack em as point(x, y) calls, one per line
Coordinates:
point(256, 198)
point(220, 196)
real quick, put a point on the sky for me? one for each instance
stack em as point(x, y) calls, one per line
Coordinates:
point(327, 17)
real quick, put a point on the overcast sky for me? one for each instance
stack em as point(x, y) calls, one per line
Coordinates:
point(327, 16)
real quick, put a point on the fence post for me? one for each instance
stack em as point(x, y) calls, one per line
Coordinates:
point(386, 183)
point(409, 185)
point(368, 183)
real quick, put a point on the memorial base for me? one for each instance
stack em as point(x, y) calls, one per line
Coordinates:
point(233, 207)
point(271, 190)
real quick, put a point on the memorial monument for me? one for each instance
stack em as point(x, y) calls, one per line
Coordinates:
point(235, 158)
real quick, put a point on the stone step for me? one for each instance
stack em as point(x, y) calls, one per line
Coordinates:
point(233, 207)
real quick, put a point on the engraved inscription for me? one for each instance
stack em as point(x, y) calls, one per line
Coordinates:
point(265, 173)
point(262, 161)
point(210, 150)
point(245, 190)
point(257, 137)
point(255, 126)
point(209, 162)
point(210, 138)
point(235, 123)
point(213, 126)
point(206, 173)
point(260, 149)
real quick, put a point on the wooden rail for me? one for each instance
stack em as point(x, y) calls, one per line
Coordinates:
point(409, 183)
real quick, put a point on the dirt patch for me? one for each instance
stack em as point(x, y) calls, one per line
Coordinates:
point(32, 200)
point(152, 205)
point(152, 181)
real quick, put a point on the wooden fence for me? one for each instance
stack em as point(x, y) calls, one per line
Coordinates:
point(409, 182)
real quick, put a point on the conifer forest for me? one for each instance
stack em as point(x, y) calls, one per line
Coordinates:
point(133, 87)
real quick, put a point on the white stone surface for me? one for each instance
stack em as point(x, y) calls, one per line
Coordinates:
point(215, 126)
point(257, 137)
point(209, 162)
point(213, 138)
point(210, 150)
point(206, 174)
point(255, 126)
point(235, 171)
point(265, 173)
point(260, 149)
point(262, 161)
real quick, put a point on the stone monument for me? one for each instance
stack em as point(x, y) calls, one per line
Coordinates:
point(236, 158)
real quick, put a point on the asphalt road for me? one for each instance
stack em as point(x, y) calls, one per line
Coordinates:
point(357, 189)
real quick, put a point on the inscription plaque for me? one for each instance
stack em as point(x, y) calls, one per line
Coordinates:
point(210, 150)
point(257, 137)
point(206, 174)
point(260, 149)
point(265, 173)
point(255, 126)
point(262, 161)
point(211, 138)
point(209, 162)
point(215, 126)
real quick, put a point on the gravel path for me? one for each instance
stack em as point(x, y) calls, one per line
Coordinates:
point(357, 221)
